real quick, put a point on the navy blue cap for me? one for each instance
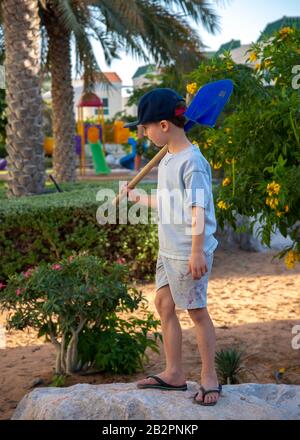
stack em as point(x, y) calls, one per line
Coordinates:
point(156, 105)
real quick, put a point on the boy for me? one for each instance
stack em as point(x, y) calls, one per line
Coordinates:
point(186, 248)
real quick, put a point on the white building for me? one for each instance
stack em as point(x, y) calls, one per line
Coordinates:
point(110, 95)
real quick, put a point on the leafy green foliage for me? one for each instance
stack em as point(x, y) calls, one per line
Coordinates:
point(77, 304)
point(229, 365)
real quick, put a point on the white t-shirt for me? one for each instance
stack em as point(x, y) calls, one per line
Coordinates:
point(184, 180)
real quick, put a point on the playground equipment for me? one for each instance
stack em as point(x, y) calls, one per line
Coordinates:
point(100, 164)
point(121, 134)
point(94, 136)
point(129, 161)
point(48, 145)
point(3, 164)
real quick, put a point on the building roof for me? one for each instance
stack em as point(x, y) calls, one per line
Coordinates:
point(112, 77)
point(233, 44)
point(143, 70)
point(293, 22)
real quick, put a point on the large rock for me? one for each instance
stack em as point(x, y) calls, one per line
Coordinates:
point(124, 401)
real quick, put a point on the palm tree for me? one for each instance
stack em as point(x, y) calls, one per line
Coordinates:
point(21, 25)
point(142, 27)
point(63, 120)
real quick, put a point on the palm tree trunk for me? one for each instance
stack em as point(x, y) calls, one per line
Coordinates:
point(26, 169)
point(64, 158)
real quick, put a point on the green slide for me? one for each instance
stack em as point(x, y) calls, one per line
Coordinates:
point(100, 164)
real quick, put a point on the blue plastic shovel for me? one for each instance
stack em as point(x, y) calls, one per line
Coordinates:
point(208, 103)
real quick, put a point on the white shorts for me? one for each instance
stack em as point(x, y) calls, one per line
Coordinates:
point(187, 293)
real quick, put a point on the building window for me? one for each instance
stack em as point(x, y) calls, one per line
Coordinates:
point(105, 107)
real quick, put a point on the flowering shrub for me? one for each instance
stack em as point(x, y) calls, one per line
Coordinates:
point(75, 304)
point(257, 141)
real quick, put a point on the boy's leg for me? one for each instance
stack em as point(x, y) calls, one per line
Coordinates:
point(172, 339)
point(206, 339)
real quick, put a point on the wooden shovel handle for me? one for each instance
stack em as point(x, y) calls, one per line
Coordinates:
point(147, 168)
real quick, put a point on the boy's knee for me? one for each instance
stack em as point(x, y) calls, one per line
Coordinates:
point(164, 305)
point(198, 315)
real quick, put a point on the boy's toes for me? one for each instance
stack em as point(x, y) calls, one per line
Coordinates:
point(211, 398)
point(148, 380)
point(199, 396)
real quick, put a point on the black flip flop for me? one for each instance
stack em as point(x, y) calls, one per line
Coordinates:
point(163, 385)
point(204, 392)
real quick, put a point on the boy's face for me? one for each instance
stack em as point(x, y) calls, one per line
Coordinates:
point(157, 132)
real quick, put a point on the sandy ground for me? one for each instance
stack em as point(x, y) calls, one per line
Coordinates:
point(253, 302)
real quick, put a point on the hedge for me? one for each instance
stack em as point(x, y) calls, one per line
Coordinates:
point(51, 226)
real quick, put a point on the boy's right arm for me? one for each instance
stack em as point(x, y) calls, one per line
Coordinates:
point(144, 200)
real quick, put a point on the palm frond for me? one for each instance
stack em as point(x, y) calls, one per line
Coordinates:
point(201, 11)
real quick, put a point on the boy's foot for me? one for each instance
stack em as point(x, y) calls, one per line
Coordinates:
point(172, 379)
point(208, 381)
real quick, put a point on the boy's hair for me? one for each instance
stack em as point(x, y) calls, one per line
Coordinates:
point(180, 120)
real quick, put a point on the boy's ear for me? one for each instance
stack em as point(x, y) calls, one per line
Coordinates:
point(165, 125)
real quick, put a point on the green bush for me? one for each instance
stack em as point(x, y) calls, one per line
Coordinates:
point(50, 226)
point(75, 304)
point(230, 365)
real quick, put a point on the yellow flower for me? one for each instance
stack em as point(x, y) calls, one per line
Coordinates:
point(229, 66)
point(281, 370)
point(257, 66)
point(228, 130)
point(210, 142)
point(217, 165)
point(253, 57)
point(226, 181)
point(273, 188)
point(286, 208)
point(290, 259)
point(286, 31)
point(268, 63)
point(273, 203)
point(230, 142)
point(279, 214)
point(191, 88)
point(230, 161)
point(205, 146)
point(222, 205)
point(195, 143)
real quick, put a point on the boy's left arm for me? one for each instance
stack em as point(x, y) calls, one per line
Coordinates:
point(197, 261)
point(196, 182)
